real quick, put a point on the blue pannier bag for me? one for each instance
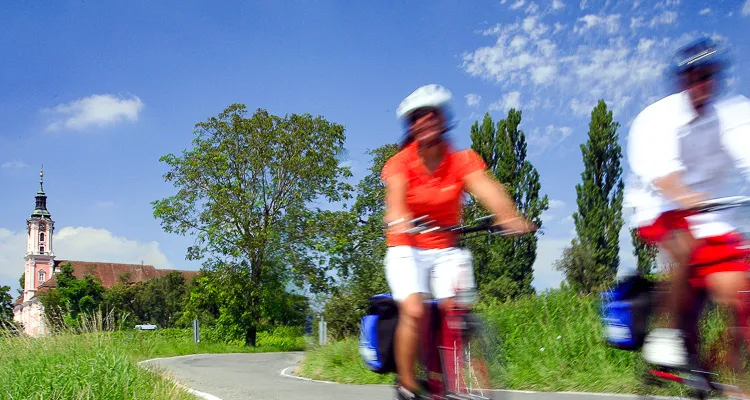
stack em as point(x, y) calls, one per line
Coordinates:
point(377, 332)
point(625, 312)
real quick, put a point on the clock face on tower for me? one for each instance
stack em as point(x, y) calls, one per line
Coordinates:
point(42, 226)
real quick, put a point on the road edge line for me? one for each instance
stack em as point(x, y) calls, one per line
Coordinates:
point(286, 374)
point(197, 393)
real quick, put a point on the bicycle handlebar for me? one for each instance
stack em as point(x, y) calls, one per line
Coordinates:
point(722, 203)
point(483, 224)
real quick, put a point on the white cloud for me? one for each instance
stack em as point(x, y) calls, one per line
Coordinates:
point(558, 27)
point(554, 204)
point(530, 57)
point(551, 137)
point(636, 22)
point(532, 8)
point(557, 4)
point(533, 27)
point(567, 220)
point(92, 244)
point(96, 110)
point(579, 108)
point(611, 23)
point(705, 11)
point(584, 4)
point(80, 244)
point(13, 164)
point(518, 4)
point(12, 251)
point(473, 99)
point(508, 101)
point(746, 8)
point(543, 73)
point(644, 45)
point(665, 18)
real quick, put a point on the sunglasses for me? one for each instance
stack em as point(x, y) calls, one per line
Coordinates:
point(420, 113)
point(699, 75)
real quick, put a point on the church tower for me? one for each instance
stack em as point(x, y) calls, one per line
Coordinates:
point(40, 258)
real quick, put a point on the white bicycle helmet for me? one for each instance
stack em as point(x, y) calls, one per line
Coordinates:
point(426, 96)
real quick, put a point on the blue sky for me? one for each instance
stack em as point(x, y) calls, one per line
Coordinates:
point(99, 92)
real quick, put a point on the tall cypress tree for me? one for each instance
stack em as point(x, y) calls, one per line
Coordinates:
point(599, 196)
point(645, 254)
point(504, 265)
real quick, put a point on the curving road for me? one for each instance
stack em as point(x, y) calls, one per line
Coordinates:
point(267, 376)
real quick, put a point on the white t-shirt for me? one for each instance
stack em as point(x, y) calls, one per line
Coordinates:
point(669, 136)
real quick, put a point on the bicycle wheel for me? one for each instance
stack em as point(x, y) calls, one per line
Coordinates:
point(476, 360)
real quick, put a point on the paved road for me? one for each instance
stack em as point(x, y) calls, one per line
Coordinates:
point(258, 377)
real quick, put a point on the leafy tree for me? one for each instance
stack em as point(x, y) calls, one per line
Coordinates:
point(246, 191)
point(504, 265)
point(645, 254)
point(581, 269)
point(6, 306)
point(599, 196)
point(21, 284)
point(358, 249)
point(72, 296)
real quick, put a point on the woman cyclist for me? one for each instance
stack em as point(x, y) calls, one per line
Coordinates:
point(428, 177)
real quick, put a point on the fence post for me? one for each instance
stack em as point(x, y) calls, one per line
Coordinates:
point(196, 331)
point(322, 331)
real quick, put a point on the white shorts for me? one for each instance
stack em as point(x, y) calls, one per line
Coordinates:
point(410, 270)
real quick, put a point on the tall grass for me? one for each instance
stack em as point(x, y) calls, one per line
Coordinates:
point(95, 360)
point(548, 342)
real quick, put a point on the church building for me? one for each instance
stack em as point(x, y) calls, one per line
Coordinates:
point(42, 265)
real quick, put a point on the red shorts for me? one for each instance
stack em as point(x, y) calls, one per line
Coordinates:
point(723, 253)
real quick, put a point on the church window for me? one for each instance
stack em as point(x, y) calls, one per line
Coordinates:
point(41, 236)
point(42, 275)
point(41, 249)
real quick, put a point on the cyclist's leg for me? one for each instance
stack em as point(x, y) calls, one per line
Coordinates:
point(408, 281)
point(453, 286)
point(665, 346)
point(720, 265)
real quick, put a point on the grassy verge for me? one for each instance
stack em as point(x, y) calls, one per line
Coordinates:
point(550, 342)
point(102, 365)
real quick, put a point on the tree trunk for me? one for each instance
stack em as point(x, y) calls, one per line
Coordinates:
point(251, 335)
point(254, 300)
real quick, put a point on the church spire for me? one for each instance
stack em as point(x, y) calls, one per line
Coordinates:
point(41, 198)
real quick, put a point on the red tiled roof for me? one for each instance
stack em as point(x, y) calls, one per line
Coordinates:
point(111, 274)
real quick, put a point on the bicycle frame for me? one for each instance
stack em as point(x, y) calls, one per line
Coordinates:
point(444, 333)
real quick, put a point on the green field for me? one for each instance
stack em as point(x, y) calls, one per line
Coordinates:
point(550, 342)
point(102, 365)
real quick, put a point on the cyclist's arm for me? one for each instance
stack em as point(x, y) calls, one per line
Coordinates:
point(395, 194)
point(492, 195)
point(736, 133)
point(653, 154)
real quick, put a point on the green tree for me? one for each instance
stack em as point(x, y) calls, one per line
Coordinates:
point(645, 254)
point(246, 190)
point(6, 306)
point(579, 264)
point(160, 300)
point(599, 217)
point(358, 249)
point(504, 265)
point(72, 296)
point(21, 284)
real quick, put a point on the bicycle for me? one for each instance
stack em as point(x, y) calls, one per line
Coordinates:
point(457, 351)
point(622, 330)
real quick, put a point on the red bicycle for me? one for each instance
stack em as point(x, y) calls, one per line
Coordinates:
point(459, 356)
point(626, 321)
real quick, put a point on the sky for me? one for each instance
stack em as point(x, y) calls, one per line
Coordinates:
point(98, 93)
